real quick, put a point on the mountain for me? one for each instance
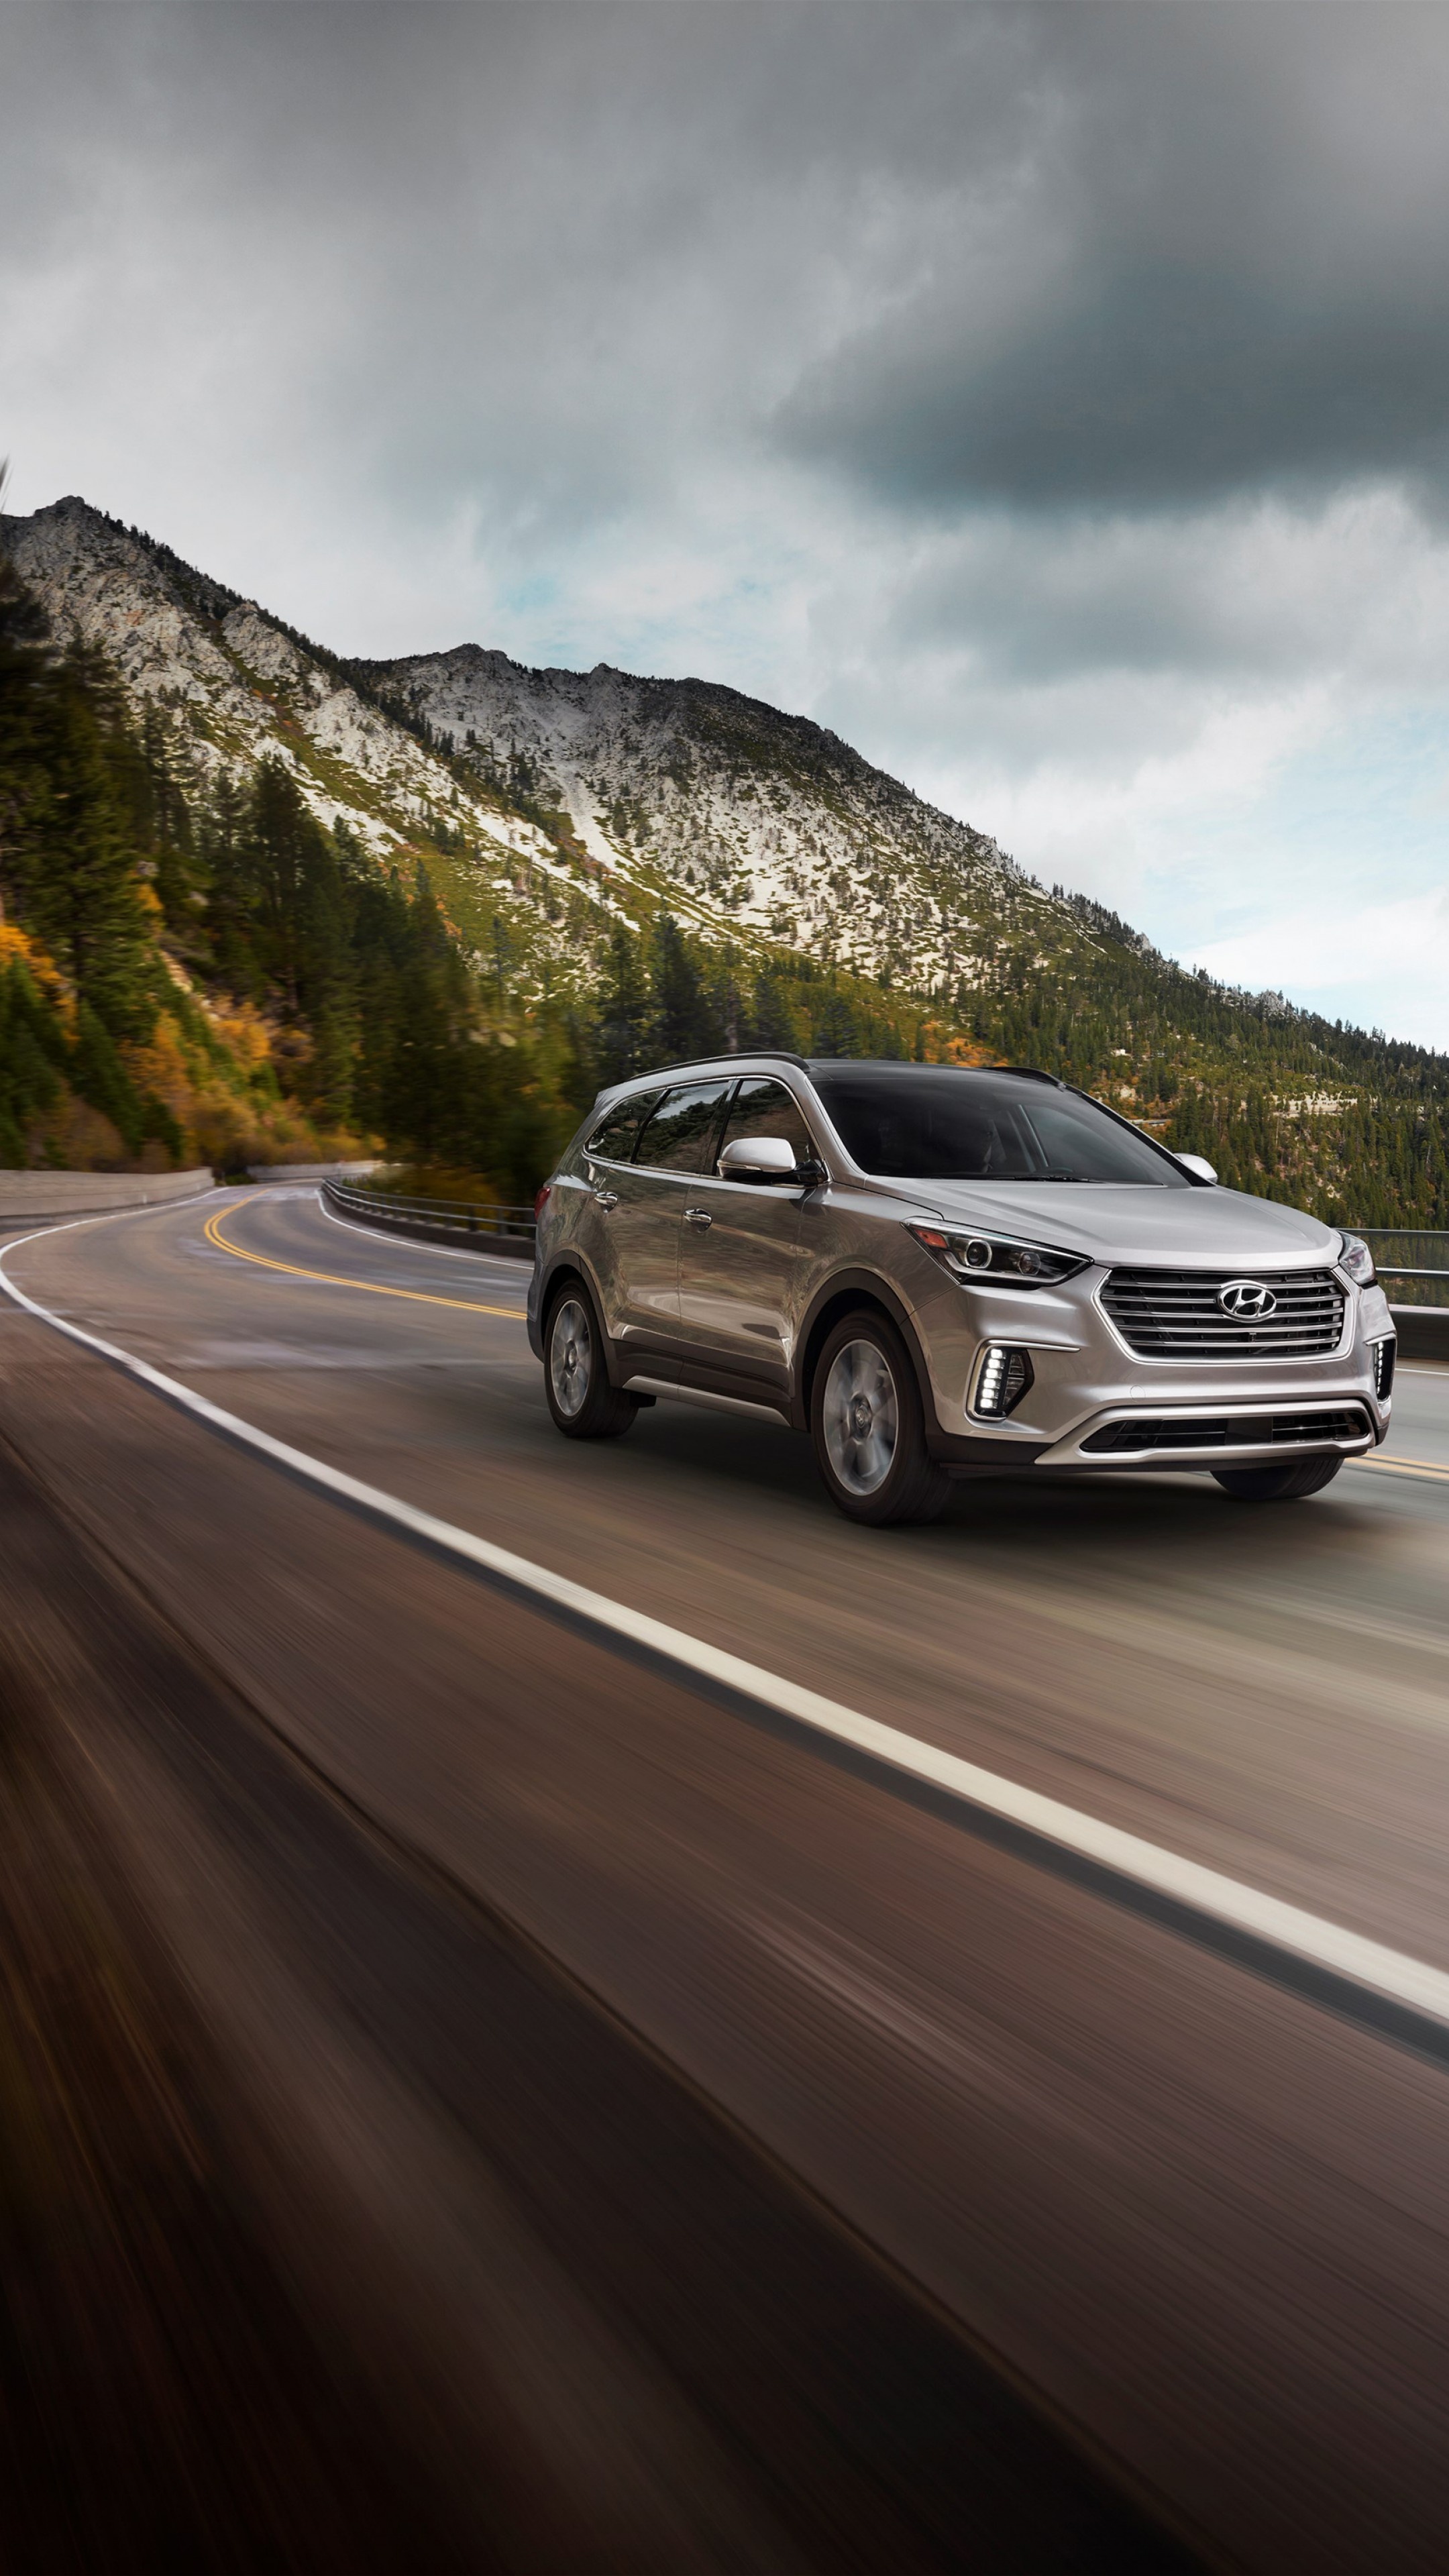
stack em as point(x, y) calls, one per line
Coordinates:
point(549, 788)
point(747, 822)
point(599, 843)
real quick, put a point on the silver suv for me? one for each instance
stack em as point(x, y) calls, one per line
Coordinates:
point(934, 1268)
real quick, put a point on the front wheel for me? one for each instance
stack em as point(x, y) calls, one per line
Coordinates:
point(575, 1372)
point(1285, 1484)
point(868, 1429)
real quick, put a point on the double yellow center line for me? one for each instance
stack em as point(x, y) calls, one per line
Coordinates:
point(332, 1279)
point(1405, 1467)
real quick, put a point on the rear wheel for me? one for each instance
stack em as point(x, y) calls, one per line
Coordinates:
point(575, 1371)
point(1285, 1484)
point(868, 1428)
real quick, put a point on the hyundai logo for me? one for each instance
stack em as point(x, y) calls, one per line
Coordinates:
point(1246, 1300)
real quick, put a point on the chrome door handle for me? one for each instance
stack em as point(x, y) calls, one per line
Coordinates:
point(698, 1216)
point(606, 1199)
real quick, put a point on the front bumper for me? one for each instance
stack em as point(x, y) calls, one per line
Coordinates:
point(1096, 1406)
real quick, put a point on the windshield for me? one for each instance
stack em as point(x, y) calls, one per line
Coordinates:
point(935, 1123)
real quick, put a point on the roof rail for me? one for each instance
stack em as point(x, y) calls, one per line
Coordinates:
point(1023, 1072)
point(807, 1064)
point(725, 1055)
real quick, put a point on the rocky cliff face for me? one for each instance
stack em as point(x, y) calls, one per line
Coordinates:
point(547, 802)
point(744, 816)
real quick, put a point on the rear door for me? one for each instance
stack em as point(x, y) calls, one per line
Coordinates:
point(739, 1251)
point(605, 1181)
point(643, 1224)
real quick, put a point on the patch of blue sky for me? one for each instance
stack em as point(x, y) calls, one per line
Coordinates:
point(1357, 818)
point(1331, 883)
point(537, 596)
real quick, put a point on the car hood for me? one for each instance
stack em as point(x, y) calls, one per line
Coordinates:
point(1197, 1229)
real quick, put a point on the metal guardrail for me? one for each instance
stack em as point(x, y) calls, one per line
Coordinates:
point(1416, 1255)
point(478, 1221)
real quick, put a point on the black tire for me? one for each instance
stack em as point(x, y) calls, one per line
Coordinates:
point(1286, 1484)
point(576, 1370)
point(867, 1426)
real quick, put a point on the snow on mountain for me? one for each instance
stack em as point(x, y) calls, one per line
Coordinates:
point(549, 802)
point(751, 816)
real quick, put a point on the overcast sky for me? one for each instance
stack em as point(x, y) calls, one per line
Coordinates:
point(1053, 400)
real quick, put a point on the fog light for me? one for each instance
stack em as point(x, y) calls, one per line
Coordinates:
point(1002, 1378)
point(1383, 1369)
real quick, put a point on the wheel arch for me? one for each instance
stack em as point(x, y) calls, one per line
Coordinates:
point(845, 1294)
point(566, 1264)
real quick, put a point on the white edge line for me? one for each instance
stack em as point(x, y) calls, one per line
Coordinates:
point(1411, 1982)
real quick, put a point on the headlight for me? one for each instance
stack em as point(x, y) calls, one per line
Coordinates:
point(994, 1256)
point(1357, 1260)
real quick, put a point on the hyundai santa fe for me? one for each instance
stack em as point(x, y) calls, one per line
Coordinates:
point(931, 1269)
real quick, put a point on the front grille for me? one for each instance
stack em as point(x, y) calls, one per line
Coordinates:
point(1175, 1315)
point(1267, 1431)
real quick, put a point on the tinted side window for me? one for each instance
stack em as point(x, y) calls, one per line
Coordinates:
point(618, 1130)
point(763, 1107)
point(682, 1128)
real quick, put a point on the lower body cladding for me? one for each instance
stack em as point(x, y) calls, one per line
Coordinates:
point(1216, 1435)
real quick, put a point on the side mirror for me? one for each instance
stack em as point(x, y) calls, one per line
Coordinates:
point(1199, 1165)
point(764, 1158)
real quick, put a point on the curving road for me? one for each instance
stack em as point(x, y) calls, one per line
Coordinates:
point(1012, 2208)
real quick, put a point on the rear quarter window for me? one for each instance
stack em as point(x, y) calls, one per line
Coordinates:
point(617, 1133)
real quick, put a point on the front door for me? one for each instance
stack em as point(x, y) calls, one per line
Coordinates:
point(739, 1250)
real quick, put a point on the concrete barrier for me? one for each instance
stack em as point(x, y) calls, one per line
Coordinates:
point(310, 1171)
point(42, 1195)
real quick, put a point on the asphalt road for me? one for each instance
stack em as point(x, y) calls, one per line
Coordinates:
point(1015, 2227)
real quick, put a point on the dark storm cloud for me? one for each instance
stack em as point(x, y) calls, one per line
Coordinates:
point(1150, 387)
point(1217, 266)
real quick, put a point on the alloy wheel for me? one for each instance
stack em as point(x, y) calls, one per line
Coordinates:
point(860, 1417)
point(570, 1357)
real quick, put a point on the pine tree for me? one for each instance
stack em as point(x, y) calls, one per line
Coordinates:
point(684, 1023)
point(624, 1014)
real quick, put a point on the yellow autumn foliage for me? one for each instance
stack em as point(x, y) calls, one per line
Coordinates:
point(14, 944)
